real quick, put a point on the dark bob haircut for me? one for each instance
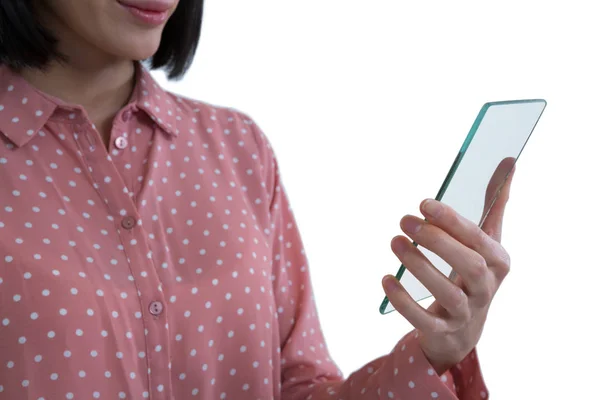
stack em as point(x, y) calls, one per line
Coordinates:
point(24, 43)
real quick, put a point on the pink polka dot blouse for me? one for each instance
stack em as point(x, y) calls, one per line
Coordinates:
point(167, 266)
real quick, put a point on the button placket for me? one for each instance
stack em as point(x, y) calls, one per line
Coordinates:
point(86, 138)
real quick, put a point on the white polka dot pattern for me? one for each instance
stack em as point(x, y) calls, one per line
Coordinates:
point(166, 266)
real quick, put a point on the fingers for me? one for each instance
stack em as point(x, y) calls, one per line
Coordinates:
point(450, 296)
point(500, 179)
point(416, 315)
point(465, 232)
point(471, 266)
point(493, 223)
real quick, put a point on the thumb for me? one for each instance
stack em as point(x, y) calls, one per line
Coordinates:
point(492, 225)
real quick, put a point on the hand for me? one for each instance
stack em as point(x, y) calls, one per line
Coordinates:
point(451, 327)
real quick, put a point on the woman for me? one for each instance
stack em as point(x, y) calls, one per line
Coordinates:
point(147, 247)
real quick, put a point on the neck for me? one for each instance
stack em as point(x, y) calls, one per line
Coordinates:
point(101, 90)
point(99, 82)
point(98, 88)
point(89, 77)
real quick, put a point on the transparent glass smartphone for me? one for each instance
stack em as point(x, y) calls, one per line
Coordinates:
point(479, 171)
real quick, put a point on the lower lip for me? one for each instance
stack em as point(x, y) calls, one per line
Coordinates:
point(148, 17)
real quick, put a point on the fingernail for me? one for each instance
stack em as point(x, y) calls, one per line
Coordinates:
point(411, 225)
point(399, 246)
point(432, 208)
point(391, 283)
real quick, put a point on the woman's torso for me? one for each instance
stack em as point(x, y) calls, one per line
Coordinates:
point(142, 271)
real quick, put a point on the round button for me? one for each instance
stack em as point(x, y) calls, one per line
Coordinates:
point(127, 115)
point(121, 142)
point(128, 223)
point(156, 308)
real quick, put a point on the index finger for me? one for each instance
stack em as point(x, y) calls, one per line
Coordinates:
point(465, 231)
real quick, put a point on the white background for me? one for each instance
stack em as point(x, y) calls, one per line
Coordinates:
point(367, 103)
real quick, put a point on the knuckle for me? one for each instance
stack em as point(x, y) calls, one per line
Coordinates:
point(481, 238)
point(479, 268)
point(504, 263)
point(484, 296)
point(439, 325)
point(456, 298)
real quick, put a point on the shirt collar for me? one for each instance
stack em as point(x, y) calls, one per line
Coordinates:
point(24, 110)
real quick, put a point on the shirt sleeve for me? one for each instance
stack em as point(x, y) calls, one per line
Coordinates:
point(306, 370)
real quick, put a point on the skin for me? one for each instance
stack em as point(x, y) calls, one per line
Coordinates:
point(451, 327)
point(100, 39)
